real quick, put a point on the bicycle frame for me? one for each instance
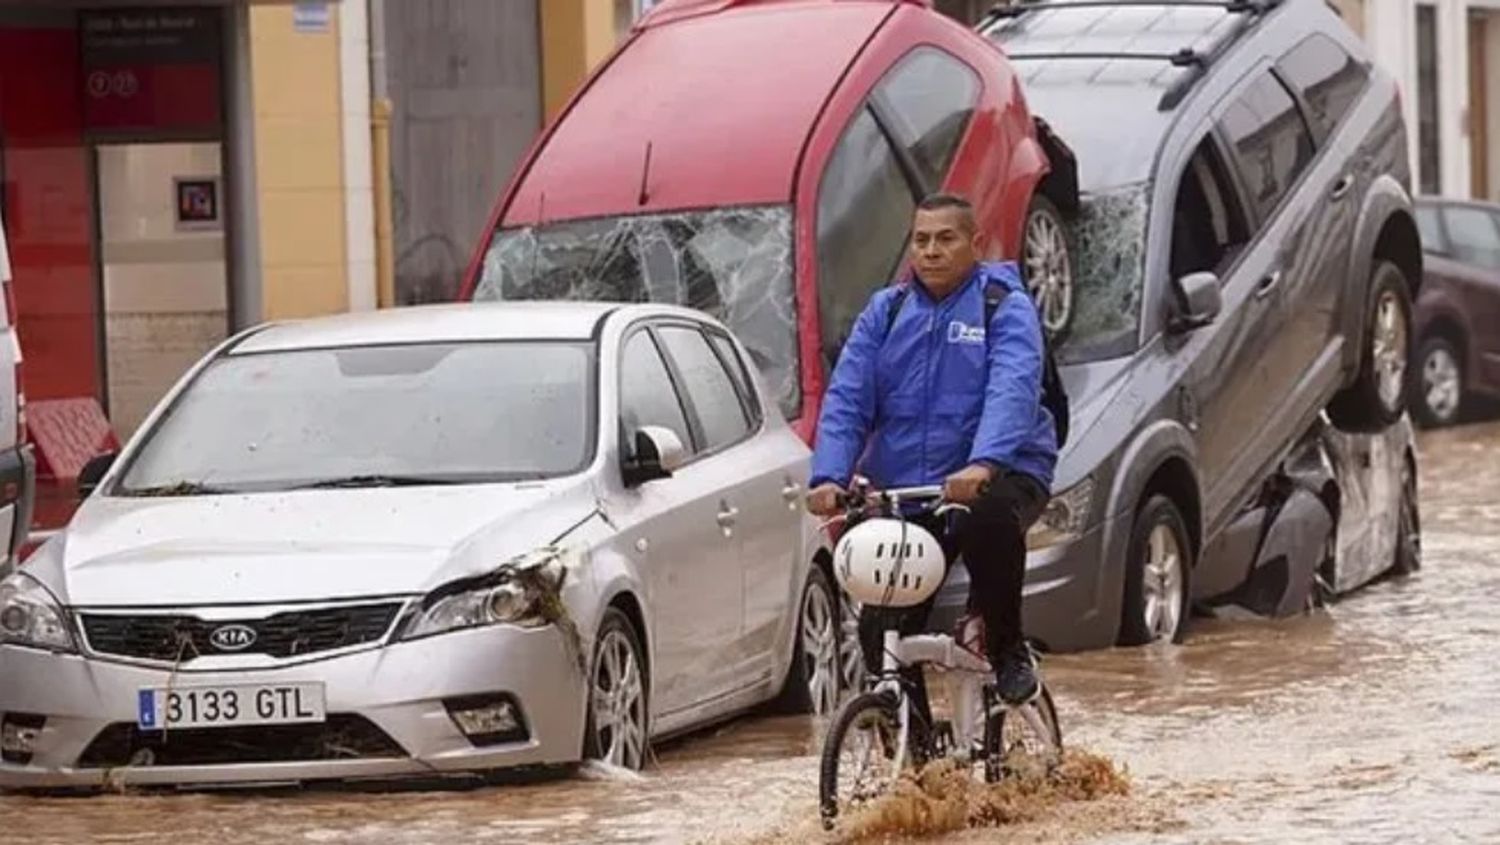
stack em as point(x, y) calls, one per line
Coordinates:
point(967, 672)
point(975, 732)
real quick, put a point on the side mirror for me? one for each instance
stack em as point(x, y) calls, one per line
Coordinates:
point(93, 472)
point(1199, 301)
point(658, 452)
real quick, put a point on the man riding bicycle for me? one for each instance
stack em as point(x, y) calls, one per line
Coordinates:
point(928, 391)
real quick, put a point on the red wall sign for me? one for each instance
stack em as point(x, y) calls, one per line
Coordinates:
point(149, 70)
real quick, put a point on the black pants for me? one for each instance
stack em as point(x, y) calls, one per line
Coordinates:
point(991, 539)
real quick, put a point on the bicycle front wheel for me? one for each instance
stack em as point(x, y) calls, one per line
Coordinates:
point(859, 755)
point(1022, 737)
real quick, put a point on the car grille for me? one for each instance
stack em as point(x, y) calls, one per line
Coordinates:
point(181, 637)
point(343, 737)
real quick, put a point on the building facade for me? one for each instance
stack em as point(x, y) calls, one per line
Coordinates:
point(172, 171)
point(1446, 56)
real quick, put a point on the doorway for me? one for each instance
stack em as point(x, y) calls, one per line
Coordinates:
point(163, 269)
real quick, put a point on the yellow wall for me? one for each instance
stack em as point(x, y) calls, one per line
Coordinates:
point(299, 166)
point(576, 36)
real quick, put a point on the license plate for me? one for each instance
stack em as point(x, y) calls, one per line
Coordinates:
point(230, 706)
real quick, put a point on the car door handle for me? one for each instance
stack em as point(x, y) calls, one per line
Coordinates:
point(1341, 187)
point(728, 516)
point(1267, 285)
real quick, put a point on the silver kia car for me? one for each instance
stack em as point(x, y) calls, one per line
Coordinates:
point(424, 541)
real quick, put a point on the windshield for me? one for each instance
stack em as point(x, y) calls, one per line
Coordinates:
point(1109, 235)
point(374, 416)
point(733, 263)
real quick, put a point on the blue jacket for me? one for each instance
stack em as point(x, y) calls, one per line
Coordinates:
point(941, 391)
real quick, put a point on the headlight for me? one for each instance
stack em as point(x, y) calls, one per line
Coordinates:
point(527, 597)
point(30, 616)
point(1064, 519)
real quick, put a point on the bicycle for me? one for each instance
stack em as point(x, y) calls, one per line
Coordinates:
point(888, 561)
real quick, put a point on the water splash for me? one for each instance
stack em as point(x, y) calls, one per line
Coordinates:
point(945, 798)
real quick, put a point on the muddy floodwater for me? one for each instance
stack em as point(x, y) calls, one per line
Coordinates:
point(1376, 720)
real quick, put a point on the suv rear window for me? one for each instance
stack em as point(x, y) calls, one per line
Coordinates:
point(1328, 77)
point(1271, 143)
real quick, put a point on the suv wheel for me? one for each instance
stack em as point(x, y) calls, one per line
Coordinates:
point(1158, 571)
point(1438, 383)
point(1377, 399)
point(1047, 261)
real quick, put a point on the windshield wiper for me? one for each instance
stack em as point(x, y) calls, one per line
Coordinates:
point(175, 488)
point(357, 481)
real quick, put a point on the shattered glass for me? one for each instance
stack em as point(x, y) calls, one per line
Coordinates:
point(733, 263)
point(1109, 253)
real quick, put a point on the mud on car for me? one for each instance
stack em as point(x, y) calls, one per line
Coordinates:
point(1245, 259)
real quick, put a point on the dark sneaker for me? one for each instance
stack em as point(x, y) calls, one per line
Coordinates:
point(1015, 676)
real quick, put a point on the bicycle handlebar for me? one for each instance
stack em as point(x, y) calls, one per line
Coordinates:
point(861, 498)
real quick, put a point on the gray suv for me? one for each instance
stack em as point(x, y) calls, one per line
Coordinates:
point(1245, 259)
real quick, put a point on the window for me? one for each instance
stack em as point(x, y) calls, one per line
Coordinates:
point(646, 393)
point(1432, 230)
point(1429, 157)
point(1271, 143)
point(1207, 224)
point(926, 102)
point(1329, 78)
point(864, 213)
point(737, 371)
point(708, 386)
point(1473, 235)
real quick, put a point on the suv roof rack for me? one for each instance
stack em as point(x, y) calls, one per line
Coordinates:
point(1016, 8)
point(1187, 57)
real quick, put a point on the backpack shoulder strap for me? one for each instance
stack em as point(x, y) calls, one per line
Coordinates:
point(903, 290)
point(994, 294)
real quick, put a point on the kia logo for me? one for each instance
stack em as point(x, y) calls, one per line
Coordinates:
point(232, 637)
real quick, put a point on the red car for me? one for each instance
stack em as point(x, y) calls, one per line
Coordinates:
point(761, 160)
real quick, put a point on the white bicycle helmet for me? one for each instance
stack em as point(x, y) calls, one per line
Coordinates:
point(889, 563)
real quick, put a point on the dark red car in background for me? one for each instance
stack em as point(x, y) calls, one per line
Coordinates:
point(1457, 349)
point(761, 161)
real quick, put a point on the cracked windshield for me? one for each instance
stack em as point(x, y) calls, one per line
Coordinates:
point(735, 264)
point(551, 459)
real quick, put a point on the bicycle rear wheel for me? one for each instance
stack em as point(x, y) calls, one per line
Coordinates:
point(1016, 744)
point(859, 755)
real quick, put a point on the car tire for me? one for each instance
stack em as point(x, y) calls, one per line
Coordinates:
point(1437, 383)
point(1378, 396)
point(1158, 576)
point(1047, 265)
point(622, 736)
point(1408, 557)
point(814, 683)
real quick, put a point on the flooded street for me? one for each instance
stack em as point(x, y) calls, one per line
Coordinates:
point(1373, 721)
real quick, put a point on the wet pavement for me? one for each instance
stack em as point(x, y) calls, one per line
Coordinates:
point(1372, 721)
